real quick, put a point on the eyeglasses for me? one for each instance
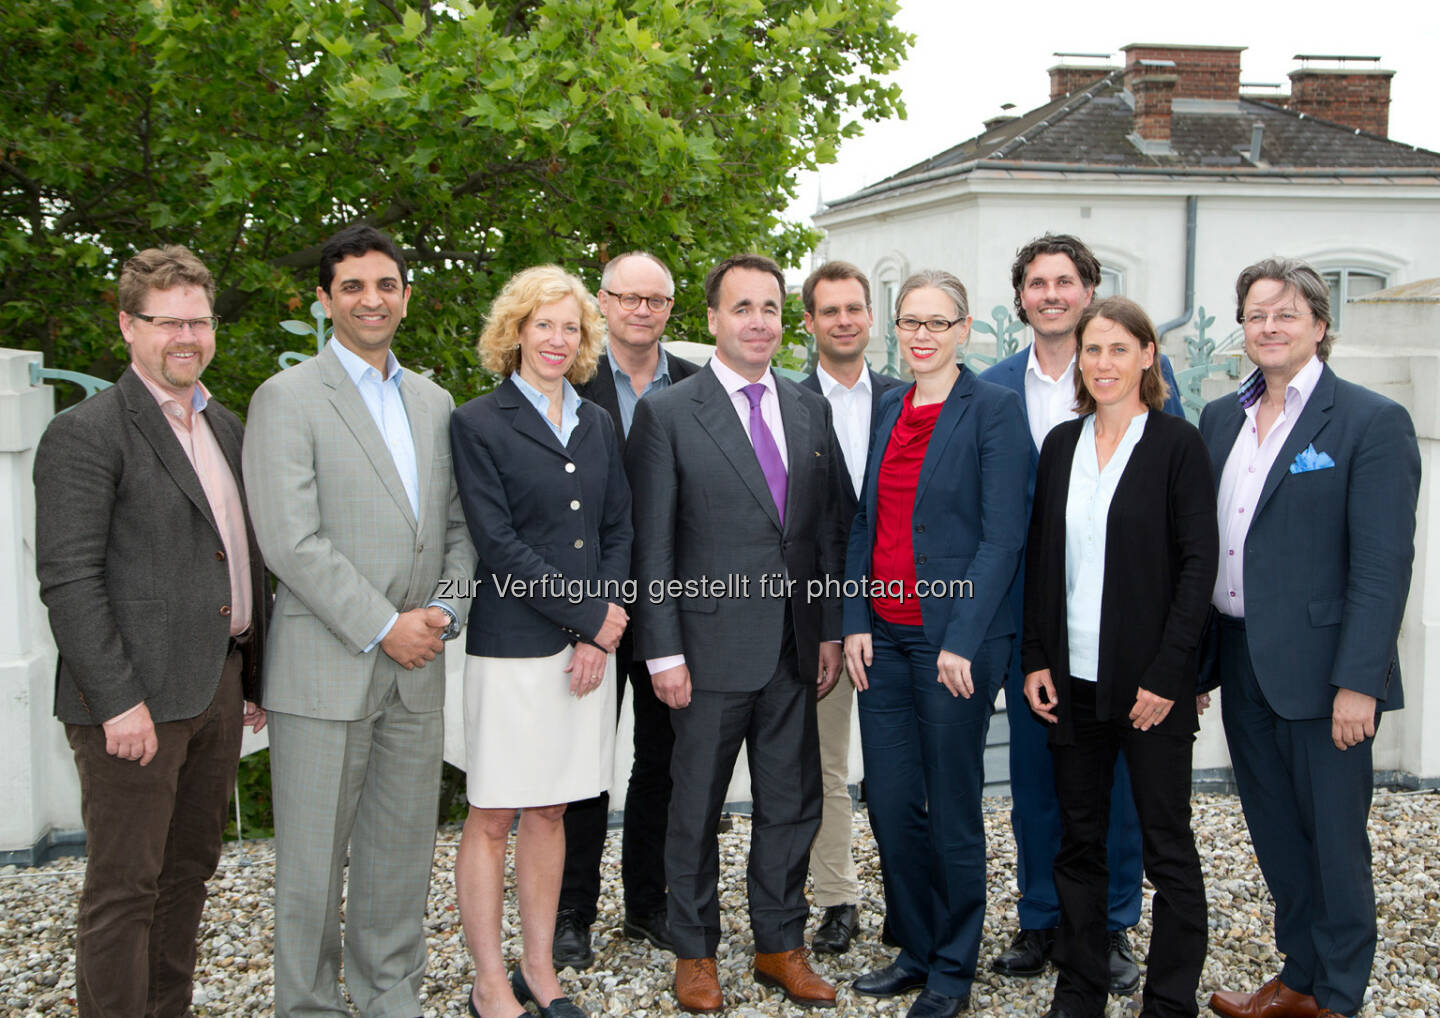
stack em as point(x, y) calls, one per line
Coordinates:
point(934, 326)
point(631, 301)
point(1258, 319)
point(172, 327)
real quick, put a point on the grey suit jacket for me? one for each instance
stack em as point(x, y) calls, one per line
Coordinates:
point(131, 563)
point(703, 511)
point(340, 536)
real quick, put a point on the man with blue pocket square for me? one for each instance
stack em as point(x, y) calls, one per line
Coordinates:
point(1318, 480)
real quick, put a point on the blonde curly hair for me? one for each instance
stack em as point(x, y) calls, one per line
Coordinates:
point(524, 292)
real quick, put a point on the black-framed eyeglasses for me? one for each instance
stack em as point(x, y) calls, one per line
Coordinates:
point(934, 326)
point(174, 326)
point(631, 301)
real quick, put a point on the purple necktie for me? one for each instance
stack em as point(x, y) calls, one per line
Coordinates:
point(766, 451)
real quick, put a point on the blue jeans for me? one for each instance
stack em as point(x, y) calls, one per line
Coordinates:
point(924, 773)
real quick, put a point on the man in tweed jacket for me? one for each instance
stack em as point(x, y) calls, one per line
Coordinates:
point(157, 600)
point(348, 469)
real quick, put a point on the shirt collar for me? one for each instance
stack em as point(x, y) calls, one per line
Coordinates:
point(662, 369)
point(829, 383)
point(569, 398)
point(199, 398)
point(733, 381)
point(1032, 366)
point(1302, 385)
point(356, 366)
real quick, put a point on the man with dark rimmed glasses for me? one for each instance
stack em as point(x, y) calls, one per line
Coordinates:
point(636, 296)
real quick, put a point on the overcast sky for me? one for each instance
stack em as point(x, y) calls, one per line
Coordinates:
point(970, 58)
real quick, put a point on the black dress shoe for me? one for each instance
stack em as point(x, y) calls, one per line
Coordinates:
point(936, 1005)
point(1027, 954)
point(836, 929)
point(560, 1007)
point(1124, 972)
point(653, 927)
point(893, 979)
point(572, 942)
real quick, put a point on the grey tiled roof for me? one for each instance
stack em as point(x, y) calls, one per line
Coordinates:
point(1091, 130)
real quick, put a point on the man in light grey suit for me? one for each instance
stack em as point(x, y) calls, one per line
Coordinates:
point(348, 470)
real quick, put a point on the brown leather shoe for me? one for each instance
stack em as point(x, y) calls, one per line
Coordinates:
point(1273, 1000)
point(697, 985)
point(790, 972)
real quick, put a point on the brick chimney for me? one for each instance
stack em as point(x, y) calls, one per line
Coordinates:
point(1202, 72)
point(1153, 84)
point(1067, 78)
point(1344, 95)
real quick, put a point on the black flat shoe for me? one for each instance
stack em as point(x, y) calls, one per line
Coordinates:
point(470, 1003)
point(1027, 955)
point(936, 1005)
point(560, 1007)
point(890, 981)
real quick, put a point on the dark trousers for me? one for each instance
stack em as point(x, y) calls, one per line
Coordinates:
point(924, 756)
point(1160, 769)
point(1307, 804)
point(1035, 821)
point(152, 839)
point(647, 805)
point(777, 725)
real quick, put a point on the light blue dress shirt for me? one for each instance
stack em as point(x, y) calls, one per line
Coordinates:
point(1087, 513)
point(625, 392)
point(387, 410)
point(569, 406)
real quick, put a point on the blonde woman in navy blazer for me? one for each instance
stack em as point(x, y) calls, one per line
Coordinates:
point(544, 490)
point(953, 453)
point(1119, 567)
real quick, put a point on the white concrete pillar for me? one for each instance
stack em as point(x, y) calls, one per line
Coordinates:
point(39, 790)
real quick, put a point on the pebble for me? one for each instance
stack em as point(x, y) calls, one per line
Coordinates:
point(233, 976)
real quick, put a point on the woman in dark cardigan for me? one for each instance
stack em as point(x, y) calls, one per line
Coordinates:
point(1119, 570)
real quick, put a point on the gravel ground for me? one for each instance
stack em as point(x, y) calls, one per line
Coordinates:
point(37, 917)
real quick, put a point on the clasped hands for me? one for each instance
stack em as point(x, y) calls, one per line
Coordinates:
point(587, 663)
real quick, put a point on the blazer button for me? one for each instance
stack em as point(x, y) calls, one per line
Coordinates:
point(225, 609)
point(569, 468)
point(220, 555)
point(574, 503)
point(419, 548)
point(920, 560)
point(579, 543)
point(919, 528)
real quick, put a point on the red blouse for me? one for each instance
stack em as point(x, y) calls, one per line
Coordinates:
point(892, 561)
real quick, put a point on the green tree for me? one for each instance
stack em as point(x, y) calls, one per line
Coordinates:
point(485, 136)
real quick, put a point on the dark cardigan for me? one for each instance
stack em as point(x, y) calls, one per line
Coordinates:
point(1161, 556)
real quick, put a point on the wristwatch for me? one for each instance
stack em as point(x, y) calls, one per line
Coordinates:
point(453, 629)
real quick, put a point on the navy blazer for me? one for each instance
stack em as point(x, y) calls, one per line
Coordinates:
point(1160, 561)
point(537, 509)
point(1329, 551)
point(969, 517)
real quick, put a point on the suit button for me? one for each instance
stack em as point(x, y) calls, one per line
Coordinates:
point(919, 528)
point(220, 555)
point(574, 503)
point(419, 548)
point(225, 609)
point(919, 560)
point(579, 543)
point(569, 468)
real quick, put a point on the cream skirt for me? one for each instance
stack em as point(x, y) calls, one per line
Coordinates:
point(528, 741)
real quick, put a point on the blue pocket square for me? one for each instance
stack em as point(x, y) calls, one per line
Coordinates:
point(1308, 459)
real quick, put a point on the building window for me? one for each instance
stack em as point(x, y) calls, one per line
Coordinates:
point(1347, 285)
point(1112, 284)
